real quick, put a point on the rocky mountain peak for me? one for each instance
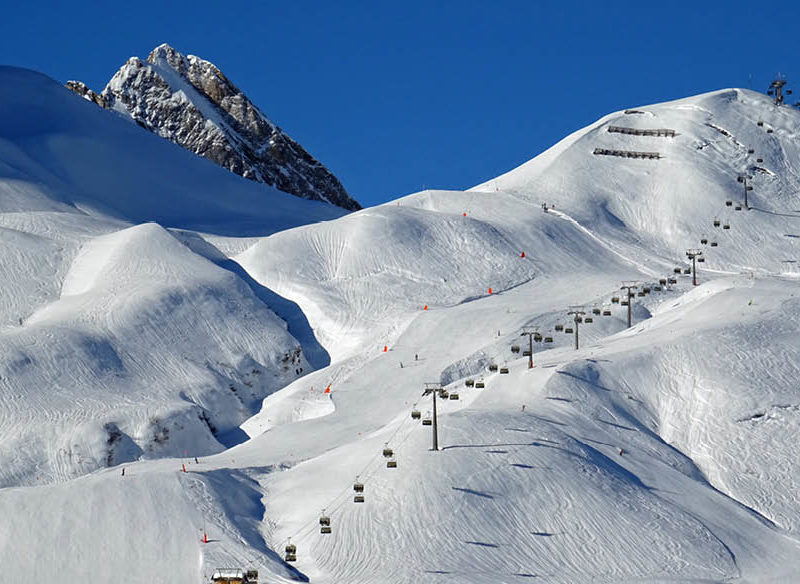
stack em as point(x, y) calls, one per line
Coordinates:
point(189, 101)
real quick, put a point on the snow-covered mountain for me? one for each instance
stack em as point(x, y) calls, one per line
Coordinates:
point(188, 100)
point(658, 453)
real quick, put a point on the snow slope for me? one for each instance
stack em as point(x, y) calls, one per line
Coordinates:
point(659, 453)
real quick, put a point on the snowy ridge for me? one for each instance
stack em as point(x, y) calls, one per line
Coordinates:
point(188, 101)
point(657, 453)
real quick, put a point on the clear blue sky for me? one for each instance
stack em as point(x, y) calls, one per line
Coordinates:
point(392, 96)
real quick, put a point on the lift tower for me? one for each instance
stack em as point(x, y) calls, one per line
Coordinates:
point(743, 178)
point(577, 312)
point(628, 287)
point(776, 89)
point(533, 335)
point(432, 389)
point(693, 254)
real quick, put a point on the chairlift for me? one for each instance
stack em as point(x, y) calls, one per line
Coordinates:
point(504, 370)
point(537, 337)
point(479, 385)
point(726, 226)
point(716, 222)
point(388, 452)
point(750, 151)
point(428, 421)
point(769, 130)
point(290, 553)
point(701, 260)
point(662, 281)
point(588, 320)
point(578, 318)
point(358, 487)
point(324, 524)
point(559, 327)
point(687, 270)
point(759, 160)
point(704, 241)
point(515, 348)
point(624, 303)
point(615, 300)
point(677, 270)
point(729, 203)
point(470, 383)
point(358, 498)
point(606, 312)
point(657, 288)
point(595, 310)
point(640, 293)
point(760, 123)
point(526, 353)
point(453, 396)
point(444, 394)
point(673, 280)
point(646, 290)
point(391, 463)
point(492, 367)
point(713, 244)
point(568, 330)
point(548, 339)
point(737, 208)
point(415, 414)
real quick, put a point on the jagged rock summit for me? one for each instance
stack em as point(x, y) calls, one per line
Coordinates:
point(188, 100)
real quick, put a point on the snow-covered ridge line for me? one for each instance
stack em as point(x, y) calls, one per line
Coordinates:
point(188, 101)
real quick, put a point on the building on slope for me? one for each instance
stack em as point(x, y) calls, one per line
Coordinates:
point(188, 101)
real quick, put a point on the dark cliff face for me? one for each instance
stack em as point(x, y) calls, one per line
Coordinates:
point(189, 101)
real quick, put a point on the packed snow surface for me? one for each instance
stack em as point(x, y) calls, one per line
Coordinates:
point(191, 379)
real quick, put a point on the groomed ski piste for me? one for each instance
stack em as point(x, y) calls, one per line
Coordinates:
point(169, 332)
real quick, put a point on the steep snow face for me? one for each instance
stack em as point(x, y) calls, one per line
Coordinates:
point(117, 341)
point(669, 204)
point(189, 101)
point(149, 350)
